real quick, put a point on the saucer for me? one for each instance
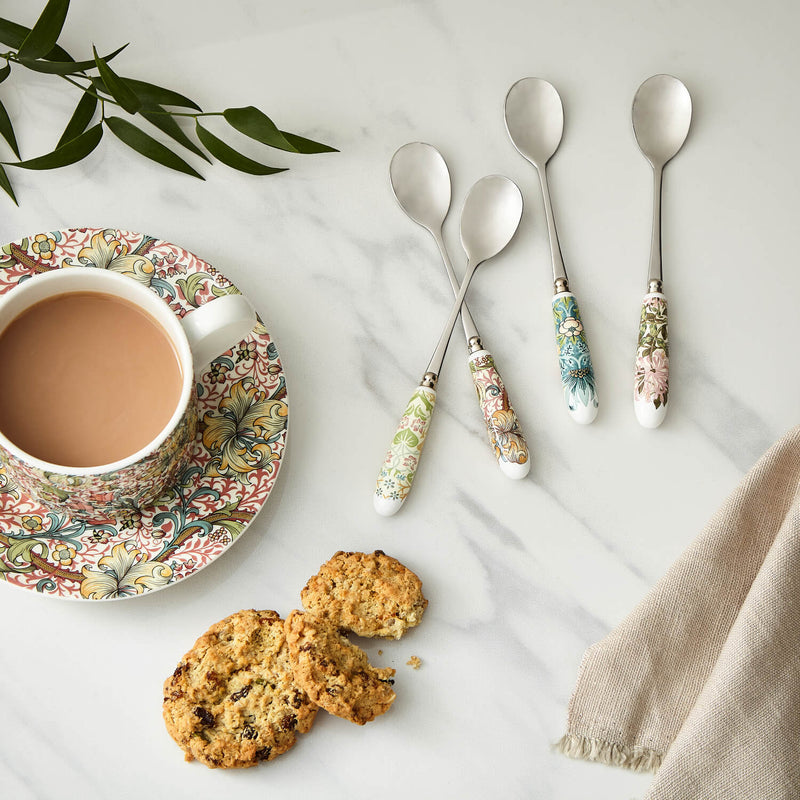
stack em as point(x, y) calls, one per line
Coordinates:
point(243, 412)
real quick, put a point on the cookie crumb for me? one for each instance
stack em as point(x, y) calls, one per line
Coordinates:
point(414, 662)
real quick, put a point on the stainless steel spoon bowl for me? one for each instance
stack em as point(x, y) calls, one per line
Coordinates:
point(535, 119)
point(490, 218)
point(421, 183)
point(662, 114)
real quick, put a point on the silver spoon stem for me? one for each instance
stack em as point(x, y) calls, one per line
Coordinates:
point(435, 364)
point(559, 272)
point(655, 240)
point(470, 329)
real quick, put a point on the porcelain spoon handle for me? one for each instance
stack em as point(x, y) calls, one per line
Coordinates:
point(574, 359)
point(651, 381)
point(402, 459)
point(502, 425)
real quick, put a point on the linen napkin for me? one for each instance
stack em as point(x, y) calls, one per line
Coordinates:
point(701, 682)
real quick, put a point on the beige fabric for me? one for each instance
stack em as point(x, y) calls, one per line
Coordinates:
point(701, 682)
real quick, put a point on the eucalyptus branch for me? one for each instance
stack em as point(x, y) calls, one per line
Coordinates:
point(37, 49)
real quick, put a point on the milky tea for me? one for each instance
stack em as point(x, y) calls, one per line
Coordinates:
point(86, 379)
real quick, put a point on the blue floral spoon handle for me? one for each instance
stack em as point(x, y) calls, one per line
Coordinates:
point(574, 359)
point(651, 381)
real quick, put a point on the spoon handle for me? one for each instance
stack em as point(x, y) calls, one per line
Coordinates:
point(402, 459)
point(651, 382)
point(502, 425)
point(577, 373)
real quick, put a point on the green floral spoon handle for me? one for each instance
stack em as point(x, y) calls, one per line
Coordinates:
point(651, 382)
point(400, 465)
point(574, 359)
point(502, 425)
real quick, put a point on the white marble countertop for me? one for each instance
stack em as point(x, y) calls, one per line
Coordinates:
point(521, 576)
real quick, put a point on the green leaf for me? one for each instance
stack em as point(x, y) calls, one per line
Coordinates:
point(257, 125)
point(80, 118)
point(303, 145)
point(44, 34)
point(67, 154)
point(13, 34)
point(164, 122)
point(66, 67)
point(146, 145)
point(150, 94)
point(5, 72)
point(227, 155)
point(7, 130)
point(117, 87)
point(5, 183)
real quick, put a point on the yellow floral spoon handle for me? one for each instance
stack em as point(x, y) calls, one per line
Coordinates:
point(651, 382)
point(400, 465)
point(502, 425)
point(577, 372)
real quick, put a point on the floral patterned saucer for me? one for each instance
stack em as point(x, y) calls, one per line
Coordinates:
point(237, 456)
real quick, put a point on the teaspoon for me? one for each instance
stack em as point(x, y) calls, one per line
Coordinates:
point(535, 122)
point(662, 113)
point(421, 183)
point(489, 220)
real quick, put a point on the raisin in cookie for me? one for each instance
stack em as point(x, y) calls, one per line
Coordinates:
point(335, 673)
point(368, 594)
point(233, 701)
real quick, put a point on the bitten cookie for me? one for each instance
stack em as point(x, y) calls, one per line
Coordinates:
point(233, 700)
point(335, 673)
point(370, 594)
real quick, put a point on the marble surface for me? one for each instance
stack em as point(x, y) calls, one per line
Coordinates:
point(521, 576)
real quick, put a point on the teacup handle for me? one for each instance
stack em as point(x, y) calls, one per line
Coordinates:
point(217, 326)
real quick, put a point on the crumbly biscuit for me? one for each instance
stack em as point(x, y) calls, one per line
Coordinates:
point(335, 673)
point(233, 700)
point(370, 594)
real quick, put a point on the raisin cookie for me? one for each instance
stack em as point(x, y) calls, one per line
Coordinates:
point(335, 673)
point(368, 594)
point(233, 700)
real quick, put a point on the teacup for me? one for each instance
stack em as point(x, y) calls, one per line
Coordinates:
point(143, 426)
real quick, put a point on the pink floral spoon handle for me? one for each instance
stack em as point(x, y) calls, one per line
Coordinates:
point(651, 382)
point(502, 425)
point(402, 459)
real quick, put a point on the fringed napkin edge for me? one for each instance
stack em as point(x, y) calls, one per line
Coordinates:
point(632, 757)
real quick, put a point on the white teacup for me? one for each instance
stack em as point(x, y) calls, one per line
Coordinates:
point(139, 478)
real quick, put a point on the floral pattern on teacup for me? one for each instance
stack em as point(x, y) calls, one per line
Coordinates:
point(242, 394)
point(104, 495)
